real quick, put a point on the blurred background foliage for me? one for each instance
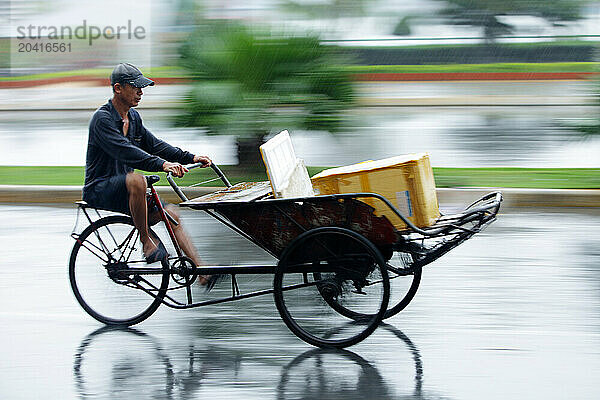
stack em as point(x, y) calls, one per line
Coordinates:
point(251, 83)
point(488, 14)
point(591, 127)
point(328, 9)
point(251, 69)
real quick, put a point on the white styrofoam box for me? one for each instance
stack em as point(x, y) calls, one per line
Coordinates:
point(287, 174)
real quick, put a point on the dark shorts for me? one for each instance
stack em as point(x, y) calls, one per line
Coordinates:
point(111, 194)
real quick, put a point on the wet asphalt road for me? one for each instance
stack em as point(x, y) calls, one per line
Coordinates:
point(512, 313)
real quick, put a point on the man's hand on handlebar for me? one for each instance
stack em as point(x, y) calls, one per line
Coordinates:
point(206, 162)
point(176, 169)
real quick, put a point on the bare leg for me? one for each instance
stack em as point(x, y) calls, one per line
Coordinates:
point(136, 187)
point(182, 237)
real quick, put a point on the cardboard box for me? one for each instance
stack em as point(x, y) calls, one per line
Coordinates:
point(406, 181)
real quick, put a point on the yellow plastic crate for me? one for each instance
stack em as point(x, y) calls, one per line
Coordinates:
point(406, 181)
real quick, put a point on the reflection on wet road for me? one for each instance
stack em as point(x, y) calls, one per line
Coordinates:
point(512, 313)
point(141, 364)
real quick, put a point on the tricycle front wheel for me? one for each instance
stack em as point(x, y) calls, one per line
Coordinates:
point(327, 266)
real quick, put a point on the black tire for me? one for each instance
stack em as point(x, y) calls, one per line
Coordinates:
point(402, 291)
point(118, 303)
point(335, 259)
point(403, 287)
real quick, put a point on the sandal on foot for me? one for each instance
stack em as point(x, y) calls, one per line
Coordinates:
point(212, 281)
point(157, 255)
point(202, 280)
point(153, 257)
point(160, 243)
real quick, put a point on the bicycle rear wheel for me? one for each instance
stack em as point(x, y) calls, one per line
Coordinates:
point(109, 276)
point(327, 266)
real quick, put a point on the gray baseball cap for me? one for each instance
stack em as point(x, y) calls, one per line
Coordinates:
point(127, 73)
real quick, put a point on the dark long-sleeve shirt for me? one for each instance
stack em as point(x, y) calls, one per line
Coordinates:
point(111, 153)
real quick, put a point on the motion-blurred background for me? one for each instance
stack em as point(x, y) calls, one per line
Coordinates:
point(501, 93)
point(496, 84)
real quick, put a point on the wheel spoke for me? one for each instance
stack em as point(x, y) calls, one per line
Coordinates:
point(342, 263)
point(131, 248)
point(404, 281)
point(84, 245)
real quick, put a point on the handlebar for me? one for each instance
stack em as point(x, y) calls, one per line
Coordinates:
point(177, 189)
point(220, 174)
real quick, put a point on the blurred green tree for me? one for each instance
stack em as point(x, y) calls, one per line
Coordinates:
point(402, 28)
point(250, 84)
point(592, 125)
point(328, 9)
point(485, 13)
point(334, 10)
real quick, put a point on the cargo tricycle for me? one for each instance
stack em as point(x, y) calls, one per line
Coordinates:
point(339, 269)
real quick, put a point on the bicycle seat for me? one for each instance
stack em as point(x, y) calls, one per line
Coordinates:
point(152, 179)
